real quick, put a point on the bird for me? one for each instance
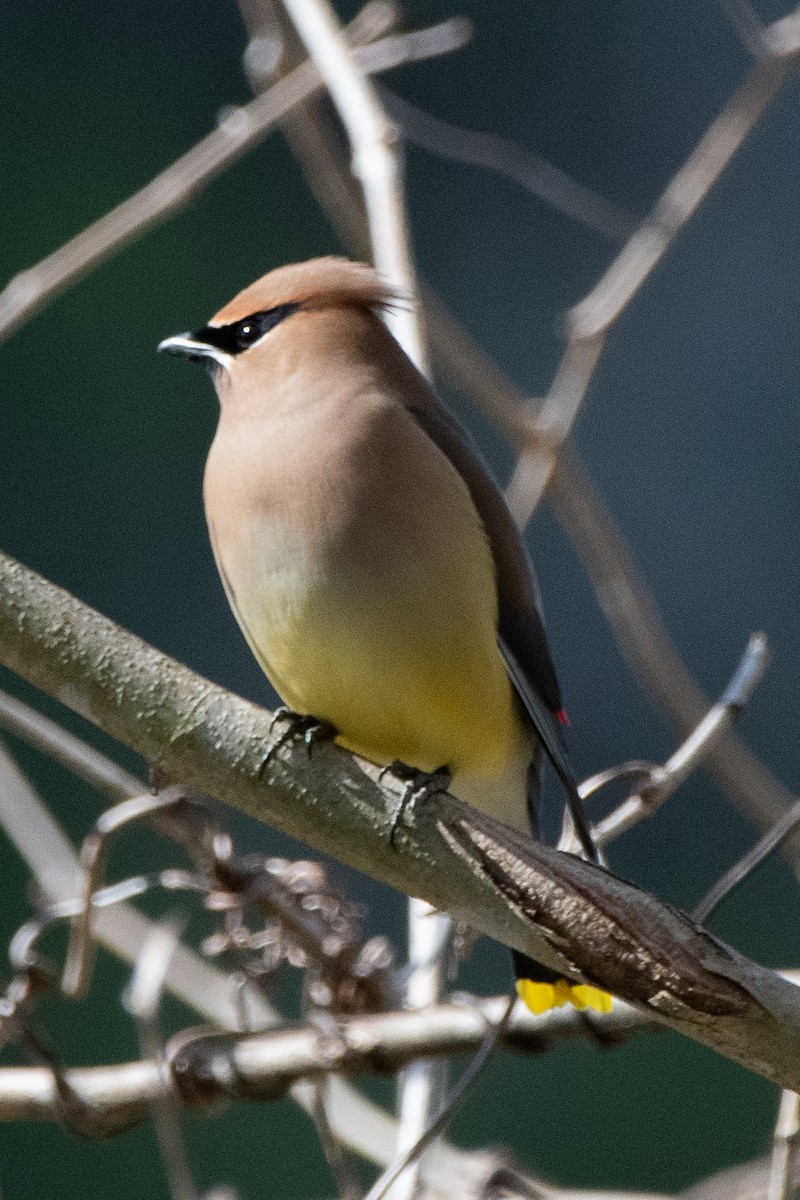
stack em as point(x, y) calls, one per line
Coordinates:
point(368, 555)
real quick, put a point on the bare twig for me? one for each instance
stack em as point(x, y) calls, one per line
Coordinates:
point(63, 747)
point(261, 1067)
point(80, 949)
point(748, 25)
point(513, 161)
point(661, 782)
point(347, 1187)
point(683, 196)
point(451, 1104)
point(376, 158)
point(783, 37)
point(241, 130)
point(203, 988)
point(771, 840)
point(646, 644)
point(423, 1083)
point(784, 1149)
point(589, 320)
point(553, 424)
point(143, 1001)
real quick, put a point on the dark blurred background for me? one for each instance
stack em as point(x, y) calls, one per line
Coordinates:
point(690, 431)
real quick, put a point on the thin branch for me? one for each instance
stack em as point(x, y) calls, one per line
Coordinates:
point(339, 1164)
point(553, 424)
point(589, 320)
point(241, 130)
point(645, 643)
point(143, 1001)
point(512, 161)
point(750, 1181)
point(783, 37)
point(563, 912)
point(662, 782)
point(784, 1148)
point(450, 1106)
point(771, 840)
point(66, 749)
point(376, 157)
point(423, 1083)
point(262, 1067)
point(203, 988)
point(680, 200)
point(747, 24)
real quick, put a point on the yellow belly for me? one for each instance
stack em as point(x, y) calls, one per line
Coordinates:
point(402, 672)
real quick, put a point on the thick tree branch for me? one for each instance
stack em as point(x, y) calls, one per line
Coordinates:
point(567, 913)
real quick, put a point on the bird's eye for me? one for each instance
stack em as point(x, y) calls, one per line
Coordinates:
point(251, 329)
point(247, 332)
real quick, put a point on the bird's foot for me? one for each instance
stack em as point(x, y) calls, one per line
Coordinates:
point(300, 726)
point(417, 785)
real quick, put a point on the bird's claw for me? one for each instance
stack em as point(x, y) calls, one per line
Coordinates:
point(418, 785)
point(300, 725)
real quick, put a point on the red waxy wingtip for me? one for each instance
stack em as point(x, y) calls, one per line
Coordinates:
point(562, 718)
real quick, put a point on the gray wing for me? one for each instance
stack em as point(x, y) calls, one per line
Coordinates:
point(520, 623)
point(521, 635)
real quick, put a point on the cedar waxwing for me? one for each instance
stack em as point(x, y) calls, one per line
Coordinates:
point(369, 557)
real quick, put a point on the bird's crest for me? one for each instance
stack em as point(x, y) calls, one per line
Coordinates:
point(320, 283)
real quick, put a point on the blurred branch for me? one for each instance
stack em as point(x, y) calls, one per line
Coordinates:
point(646, 645)
point(514, 162)
point(124, 932)
point(376, 160)
point(749, 1181)
point(784, 1148)
point(562, 911)
point(552, 425)
point(589, 320)
point(262, 1067)
point(680, 200)
point(771, 840)
point(404, 1171)
point(142, 999)
point(662, 782)
point(241, 130)
point(64, 748)
point(747, 25)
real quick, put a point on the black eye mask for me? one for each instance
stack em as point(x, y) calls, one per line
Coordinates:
point(235, 338)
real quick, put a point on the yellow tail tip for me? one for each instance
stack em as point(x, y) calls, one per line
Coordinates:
point(541, 997)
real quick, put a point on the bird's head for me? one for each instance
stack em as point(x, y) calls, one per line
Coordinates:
point(262, 320)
